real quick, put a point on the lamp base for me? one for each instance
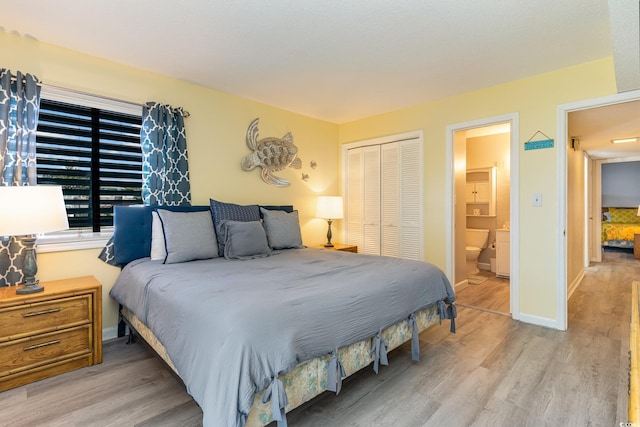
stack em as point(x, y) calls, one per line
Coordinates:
point(329, 235)
point(30, 288)
point(30, 268)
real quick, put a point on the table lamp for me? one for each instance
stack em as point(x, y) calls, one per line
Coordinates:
point(27, 211)
point(329, 208)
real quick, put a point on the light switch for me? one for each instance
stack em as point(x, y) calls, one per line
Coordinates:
point(537, 200)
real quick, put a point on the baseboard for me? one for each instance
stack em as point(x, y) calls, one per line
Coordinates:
point(484, 266)
point(574, 285)
point(109, 333)
point(461, 285)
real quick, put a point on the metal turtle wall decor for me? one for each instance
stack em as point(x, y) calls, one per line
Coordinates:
point(271, 154)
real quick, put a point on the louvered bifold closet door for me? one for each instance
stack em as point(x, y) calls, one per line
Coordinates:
point(354, 198)
point(411, 217)
point(390, 241)
point(371, 201)
point(384, 198)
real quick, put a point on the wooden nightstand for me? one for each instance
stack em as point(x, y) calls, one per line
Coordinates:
point(636, 246)
point(50, 332)
point(341, 247)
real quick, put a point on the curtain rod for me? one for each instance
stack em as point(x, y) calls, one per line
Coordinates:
point(185, 113)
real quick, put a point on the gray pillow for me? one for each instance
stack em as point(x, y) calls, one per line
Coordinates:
point(188, 236)
point(244, 239)
point(283, 229)
point(221, 211)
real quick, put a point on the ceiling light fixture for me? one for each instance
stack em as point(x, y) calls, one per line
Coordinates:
point(622, 141)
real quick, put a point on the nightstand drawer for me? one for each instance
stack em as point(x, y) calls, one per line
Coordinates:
point(30, 319)
point(42, 349)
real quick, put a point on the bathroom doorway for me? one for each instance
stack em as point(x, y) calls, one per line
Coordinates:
point(482, 227)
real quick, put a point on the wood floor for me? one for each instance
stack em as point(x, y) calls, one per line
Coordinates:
point(493, 372)
point(491, 295)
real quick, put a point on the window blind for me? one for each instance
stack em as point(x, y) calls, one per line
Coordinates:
point(95, 155)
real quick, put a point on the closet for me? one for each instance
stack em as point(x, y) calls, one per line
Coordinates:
point(383, 194)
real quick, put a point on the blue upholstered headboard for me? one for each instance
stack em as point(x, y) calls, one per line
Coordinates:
point(132, 230)
point(132, 225)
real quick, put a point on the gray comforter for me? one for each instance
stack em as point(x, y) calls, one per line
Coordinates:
point(231, 326)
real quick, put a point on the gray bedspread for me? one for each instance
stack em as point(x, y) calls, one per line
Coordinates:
point(232, 326)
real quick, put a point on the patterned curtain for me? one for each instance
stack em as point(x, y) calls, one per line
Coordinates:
point(165, 166)
point(19, 106)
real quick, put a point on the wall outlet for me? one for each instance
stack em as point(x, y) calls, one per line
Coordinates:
point(537, 200)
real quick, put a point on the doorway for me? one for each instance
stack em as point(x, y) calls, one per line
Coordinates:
point(472, 149)
point(571, 247)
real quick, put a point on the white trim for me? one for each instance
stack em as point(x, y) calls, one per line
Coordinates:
point(461, 285)
point(561, 244)
point(73, 245)
point(486, 266)
point(596, 197)
point(586, 174)
point(73, 239)
point(71, 96)
point(416, 134)
point(619, 159)
point(514, 215)
point(562, 114)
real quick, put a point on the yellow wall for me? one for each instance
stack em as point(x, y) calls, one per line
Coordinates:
point(536, 100)
point(216, 144)
point(218, 123)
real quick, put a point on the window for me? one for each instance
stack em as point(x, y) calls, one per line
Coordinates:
point(91, 147)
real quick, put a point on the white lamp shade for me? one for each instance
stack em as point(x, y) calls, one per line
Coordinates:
point(329, 207)
point(638, 210)
point(31, 210)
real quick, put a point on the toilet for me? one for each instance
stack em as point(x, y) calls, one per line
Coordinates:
point(476, 240)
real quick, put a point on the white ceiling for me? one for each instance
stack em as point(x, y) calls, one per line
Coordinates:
point(334, 60)
point(596, 127)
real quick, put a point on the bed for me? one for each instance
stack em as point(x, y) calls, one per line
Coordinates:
point(619, 225)
point(257, 324)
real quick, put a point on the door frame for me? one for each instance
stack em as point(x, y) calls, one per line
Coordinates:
point(596, 197)
point(562, 119)
point(514, 190)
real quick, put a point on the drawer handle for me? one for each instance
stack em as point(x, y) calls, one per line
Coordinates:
point(38, 313)
point(44, 344)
